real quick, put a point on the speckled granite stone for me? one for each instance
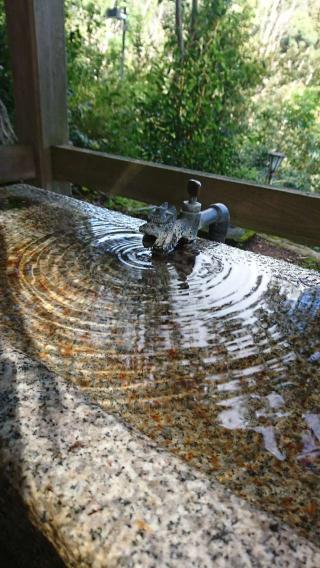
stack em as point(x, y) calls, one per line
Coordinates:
point(105, 495)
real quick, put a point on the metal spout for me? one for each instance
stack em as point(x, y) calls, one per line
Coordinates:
point(167, 230)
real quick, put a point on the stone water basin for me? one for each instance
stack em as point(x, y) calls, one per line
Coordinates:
point(211, 353)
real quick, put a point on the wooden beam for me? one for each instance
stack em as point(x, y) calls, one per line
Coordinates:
point(37, 49)
point(283, 212)
point(16, 163)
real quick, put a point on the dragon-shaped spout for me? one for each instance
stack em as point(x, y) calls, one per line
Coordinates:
point(168, 230)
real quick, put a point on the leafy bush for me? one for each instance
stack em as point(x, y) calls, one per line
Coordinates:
point(187, 112)
point(219, 106)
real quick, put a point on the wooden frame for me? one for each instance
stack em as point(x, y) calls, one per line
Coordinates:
point(37, 48)
point(286, 213)
point(16, 163)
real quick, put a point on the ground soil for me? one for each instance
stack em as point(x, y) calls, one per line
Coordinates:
point(302, 258)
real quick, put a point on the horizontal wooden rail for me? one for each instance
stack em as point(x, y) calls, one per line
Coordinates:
point(286, 213)
point(16, 163)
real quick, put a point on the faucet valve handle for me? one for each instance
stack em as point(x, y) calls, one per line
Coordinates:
point(194, 187)
point(192, 205)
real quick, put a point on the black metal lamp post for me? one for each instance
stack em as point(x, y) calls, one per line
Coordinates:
point(120, 14)
point(275, 159)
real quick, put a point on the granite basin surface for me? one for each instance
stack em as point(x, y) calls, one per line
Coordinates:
point(156, 411)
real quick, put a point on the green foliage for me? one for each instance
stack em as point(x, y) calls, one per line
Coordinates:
point(6, 87)
point(286, 111)
point(188, 112)
point(291, 124)
point(196, 107)
point(240, 88)
point(310, 263)
point(101, 104)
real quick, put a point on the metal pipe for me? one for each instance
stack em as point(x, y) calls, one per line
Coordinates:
point(217, 219)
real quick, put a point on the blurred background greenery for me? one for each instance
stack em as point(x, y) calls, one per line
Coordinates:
point(211, 85)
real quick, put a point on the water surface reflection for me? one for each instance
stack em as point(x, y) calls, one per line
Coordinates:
point(210, 352)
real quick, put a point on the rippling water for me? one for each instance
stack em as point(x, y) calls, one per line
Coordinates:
point(211, 352)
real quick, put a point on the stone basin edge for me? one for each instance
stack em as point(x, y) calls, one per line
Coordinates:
point(105, 495)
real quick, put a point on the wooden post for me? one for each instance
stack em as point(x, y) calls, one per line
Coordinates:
point(37, 46)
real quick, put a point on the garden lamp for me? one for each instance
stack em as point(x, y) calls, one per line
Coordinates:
point(117, 13)
point(275, 159)
point(120, 14)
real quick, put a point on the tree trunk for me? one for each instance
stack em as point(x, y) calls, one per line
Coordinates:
point(179, 28)
point(7, 136)
point(194, 13)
